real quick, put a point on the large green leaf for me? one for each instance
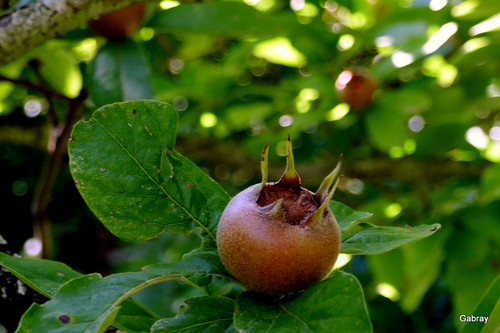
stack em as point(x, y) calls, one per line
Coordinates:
point(201, 269)
point(411, 269)
point(333, 305)
point(215, 18)
point(46, 277)
point(86, 304)
point(201, 314)
point(377, 239)
point(119, 72)
point(125, 166)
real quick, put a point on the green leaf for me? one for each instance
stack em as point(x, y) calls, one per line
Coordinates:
point(59, 68)
point(490, 183)
point(85, 304)
point(214, 18)
point(386, 128)
point(46, 277)
point(124, 165)
point(489, 306)
point(201, 269)
point(376, 239)
point(346, 216)
point(119, 72)
point(202, 314)
point(333, 305)
point(411, 269)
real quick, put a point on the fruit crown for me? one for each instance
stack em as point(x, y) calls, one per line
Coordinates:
point(290, 179)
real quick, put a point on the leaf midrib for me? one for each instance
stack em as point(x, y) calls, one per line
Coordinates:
point(197, 221)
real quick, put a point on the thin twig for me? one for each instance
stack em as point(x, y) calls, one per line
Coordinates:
point(41, 89)
point(41, 199)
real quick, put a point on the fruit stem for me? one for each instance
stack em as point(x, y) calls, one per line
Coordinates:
point(327, 182)
point(264, 165)
point(290, 178)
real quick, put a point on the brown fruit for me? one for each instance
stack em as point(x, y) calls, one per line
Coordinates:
point(277, 238)
point(355, 88)
point(119, 24)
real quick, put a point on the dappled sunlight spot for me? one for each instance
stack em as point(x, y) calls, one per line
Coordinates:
point(388, 291)
point(409, 146)
point(169, 4)
point(460, 155)
point(32, 107)
point(304, 99)
point(208, 120)
point(492, 151)
point(344, 78)
point(19, 188)
point(464, 8)
point(307, 12)
point(297, 4)
point(175, 65)
point(181, 103)
point(393, 210)
point(475, 44)
point(33, 247)
point(401, 59)
point(396, 152)
point(491, 24)
point(286, 120)
point(495, 133)
point(416, 124)
point(280, 51)
point(385, 45)
point(447, 75)
point(355, 186)
point(493, 90)
point(436, 5)
point(338, 112)
point(146, 33)
point(262, 5)
point(440, 37)
point(476, 137)
point(436, 66)
point(311, 127)
point(86, 49)
point(346, 42)
point(281, 148)
point(342, 260)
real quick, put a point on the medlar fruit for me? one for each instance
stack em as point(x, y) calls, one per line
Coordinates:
point(355, 88)
point(276, 238)
point(119, 24)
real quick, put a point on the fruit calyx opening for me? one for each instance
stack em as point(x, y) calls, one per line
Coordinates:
point(299, 206)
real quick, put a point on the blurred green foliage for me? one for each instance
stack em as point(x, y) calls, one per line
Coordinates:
point(241, 74)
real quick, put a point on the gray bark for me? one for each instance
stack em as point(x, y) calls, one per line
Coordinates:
point(30, 26)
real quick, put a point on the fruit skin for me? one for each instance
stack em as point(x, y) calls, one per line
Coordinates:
point(119, 24)
point(355, 88)
point(265, 252)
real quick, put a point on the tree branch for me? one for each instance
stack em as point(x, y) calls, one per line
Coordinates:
point(30, 26)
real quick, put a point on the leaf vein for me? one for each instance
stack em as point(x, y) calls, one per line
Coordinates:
point(157, 184)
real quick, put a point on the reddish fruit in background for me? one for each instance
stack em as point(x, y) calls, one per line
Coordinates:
point(355, 88)
point(119, 24)
point(276, 238)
